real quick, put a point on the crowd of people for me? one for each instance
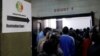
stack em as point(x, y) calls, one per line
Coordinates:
point(68, 42)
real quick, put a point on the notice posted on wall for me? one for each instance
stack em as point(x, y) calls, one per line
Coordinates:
point(16, 16)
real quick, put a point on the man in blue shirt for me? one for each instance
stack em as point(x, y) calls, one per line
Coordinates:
point(40, 36)
point(67, 43)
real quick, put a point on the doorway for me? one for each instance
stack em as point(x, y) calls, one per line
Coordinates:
point(76, 21)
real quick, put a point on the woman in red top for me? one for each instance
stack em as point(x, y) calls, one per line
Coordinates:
point(86, 44)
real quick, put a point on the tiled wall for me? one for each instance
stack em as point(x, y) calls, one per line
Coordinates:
point(46, 7)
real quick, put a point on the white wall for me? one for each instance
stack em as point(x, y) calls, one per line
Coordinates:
point(50, 23)
point(77, 22)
